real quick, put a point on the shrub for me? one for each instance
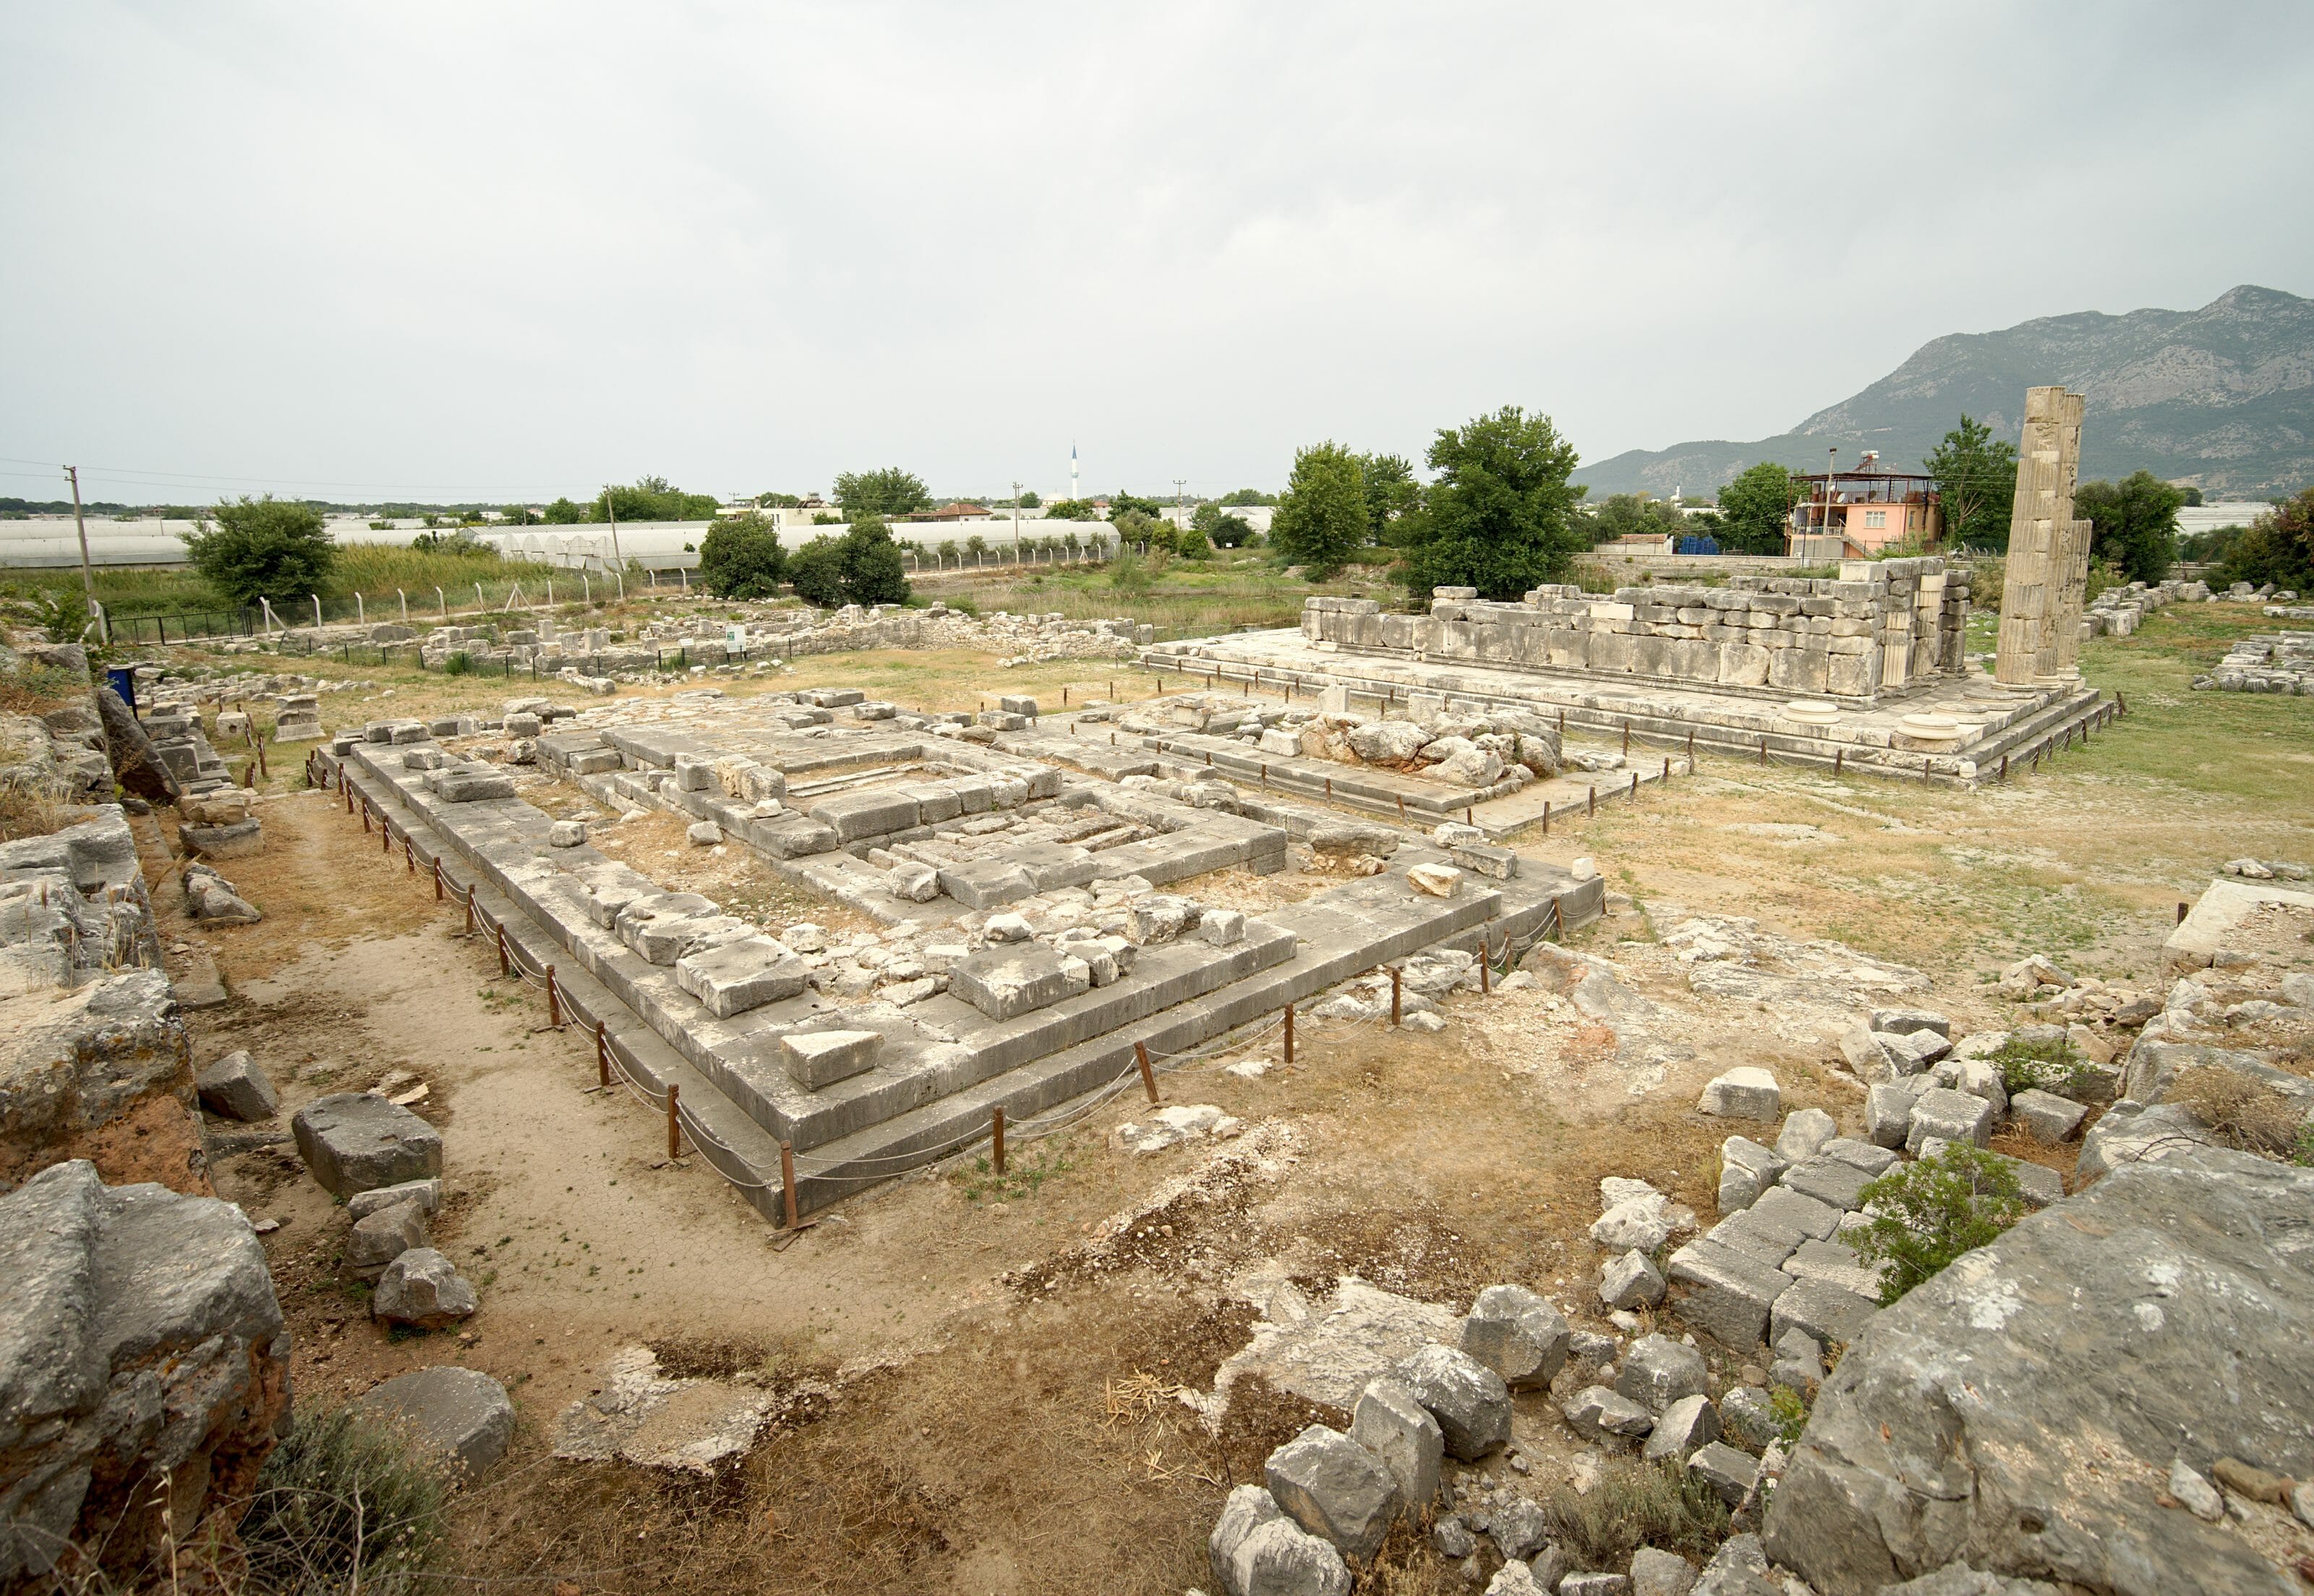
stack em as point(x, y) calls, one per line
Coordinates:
point(2049, 1066)
point(2243, 1113)
point(344, 1503)
point(1932, 1211)
point(460, 664)
point(1791, 1414)
point(264, 547)
point(741, 557)
point(1634, 1505)
point(817, 570)
point(872, 571)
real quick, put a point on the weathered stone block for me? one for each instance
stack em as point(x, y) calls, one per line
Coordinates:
point(1518, 1335)
point(354, 1141)
point(741, 975)
point(817, 1059)
point(1005, 982)
point(235, 1088)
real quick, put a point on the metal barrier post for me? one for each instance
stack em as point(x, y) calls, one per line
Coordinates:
point(1148, 1075)
point(674, 1121)
point(553, 1001)
point(1397, 995)
point(602, 1054)
point(1289, 1033)
point(996, 1116)
point(506, 965)
point(787, 1181)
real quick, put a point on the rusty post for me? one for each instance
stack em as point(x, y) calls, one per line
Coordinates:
point(1470, 815)
point(674, 1120)
point(365, 815)
point(1667, 775)
point(996, 1128)
point(506, 963)
point(1562, 725)
point(1763, 747)
point(1330, 787)
point(249, 775)
point(1289, 1033)
point(1064, 698)
point(2182, 909)
point(1635, 786)
point(2004, 767)
point(553, 1001)
point(1838, 754)
point(1402, 808)
point(438, 877)
point(345, 787)
point(1627, 737)
point(385, 834)
point(2120, 704)
point(787, 1181)
point(1690, 752)
point(1397, 995)
point(258, 743)
point(409, 856)
point(1486, 970)
point(1546, 818)
point(1148, 1075)
point(1591, 802)
point(602, 1054)
point(470, 911)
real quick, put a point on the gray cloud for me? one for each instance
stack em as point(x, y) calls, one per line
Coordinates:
point(503, 250)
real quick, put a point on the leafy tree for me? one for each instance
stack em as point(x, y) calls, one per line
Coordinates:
point(1138, 526)
point(563, 512)
point(1933, 1209)
point(825, 518)
point(650, 498)
point(1322, 518)
point(1500, 517)
point(872, 571)
point(740, 557)
point(264, 547)
point(519, 514)
point(1976, 484)
point(1634, 514)
point(2193, 497)
point(2133, 523)
point(1391, 492)
point(783, 501)
point(1191, 542)
point(1756, 507)
point(1224, 530)
point(2277, 548)
point(975, 545)
point(891, 491)
point(1122, 504)
point(1073, 510)
point(1073, 540)
point(1030, 499)
point(1243, 497)
point(817, 570)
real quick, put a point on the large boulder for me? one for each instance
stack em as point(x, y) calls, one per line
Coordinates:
point(2020, 1411)
point(1334, 1488)
point(423, 1288)
point(354, 1141)
point(134, 763)
point(462, 1414)
point(1516, 1334)
point(237, 1088)
point(140, 1341)
point(1469, 1401)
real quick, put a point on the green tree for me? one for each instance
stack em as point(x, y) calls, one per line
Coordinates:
point(1976, 484)
point(264, 547)
point(781, 501)
point(2133, 523)
point(1931, 1211)
point(1224, 530)
point(891, 491)
point(1138, 526)
point(740, 557)
point(871, 569)
point(2278, 547)
point(1030, 499)
point(519, 514)
point(1634, 514)
point(1073, 510)
point(1122, 504)
point(1391, 492)
point(817, 569)
point(650, 499)
point(1322, 519)
point(1242, 496)
point(1500, 517)
point(1755, 509)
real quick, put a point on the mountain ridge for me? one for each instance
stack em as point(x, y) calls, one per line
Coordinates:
point(2221, 398)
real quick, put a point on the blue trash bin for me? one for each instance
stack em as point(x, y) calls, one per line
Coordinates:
point(124, 683)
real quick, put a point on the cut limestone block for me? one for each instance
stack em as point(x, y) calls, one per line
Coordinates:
point(1951, 1116)
point(1727, 1471)
point(1804, 1135)
point(1518, 1335)
point(1334, 1488)
point(816, 1059)
point(1631, 1282)
point(1597, 1412)
point(236, 1088)
point(422, 1288)
point(1256, 1550)
point(1005, 982)
point(1746, 1169)
point(473, 786)
point(1389, 1422)
point(1657, 1371)
point(741, 975)
point(426, 1194)
point(1439, 881)
point(1888, 1113)
point(2045, 1116)
point(354, 1141)
point(1733, 1291)
point(1744, 1093)
point(379, 1238)
point(1832, 1181)
point(1825, 1312)
point(462, 1414)
point(1686, 1425)
point(1469, 1401)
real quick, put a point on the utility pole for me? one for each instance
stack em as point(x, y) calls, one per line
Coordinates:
point(87, 577)
point(611, 508)
point(1016, 522)
point(1178, 483)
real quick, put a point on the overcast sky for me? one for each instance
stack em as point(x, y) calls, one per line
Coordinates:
point(496, 251)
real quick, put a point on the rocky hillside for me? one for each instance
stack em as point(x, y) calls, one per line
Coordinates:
point(2222, 397)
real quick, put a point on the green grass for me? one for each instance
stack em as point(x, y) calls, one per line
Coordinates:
point(1186, 598)
point(372, 571)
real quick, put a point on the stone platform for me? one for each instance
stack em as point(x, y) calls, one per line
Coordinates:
point(1954, 728)
point(1025, 945)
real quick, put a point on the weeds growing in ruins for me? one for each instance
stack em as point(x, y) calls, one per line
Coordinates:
point(1790, 1412)
point(2243, 1114)
point(1022, 1177)
point(1931, 1211)
point(1634, 1505)
point(2050, 1066)
point(343, 1505)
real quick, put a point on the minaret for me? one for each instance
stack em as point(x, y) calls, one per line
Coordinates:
point(1073, 471)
